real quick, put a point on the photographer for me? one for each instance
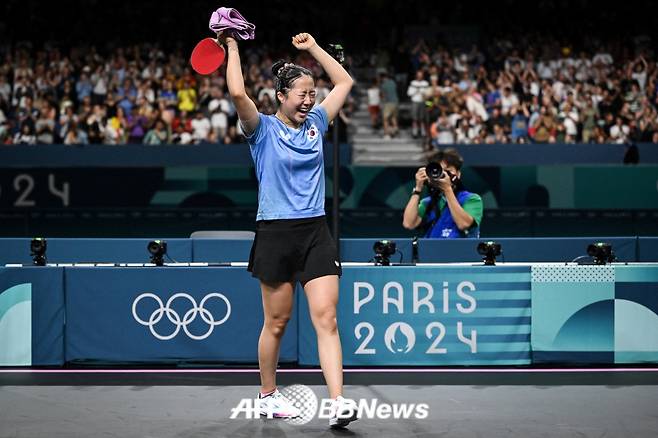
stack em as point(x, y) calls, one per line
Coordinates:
point(449, 211)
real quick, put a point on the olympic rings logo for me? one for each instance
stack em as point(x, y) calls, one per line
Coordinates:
point(188, 317)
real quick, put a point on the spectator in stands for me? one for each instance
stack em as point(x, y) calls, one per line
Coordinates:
point(96, 124)
point(75, 135)
point(201, 128)
point(519, 129)
point(619, 131)
point(545, 127)
point(158, 134)
point(116, 130)
point(589, 116)
point(390, 103)
point(267, 90)
point(581, 88)
point(26, 135)
point(167, 96)
point(136, 125)
point(508, 100)
point(374, 104)
point(181, 136)
point(5, 89)
point(321, 91)
point(45, 124)
point(83, 86)
point(450, 211)
point(266, 104)
point(417, 91)
point(126, 96)
point(187, 97)
point(218, 120)
point(442, 132)
point(99, 81)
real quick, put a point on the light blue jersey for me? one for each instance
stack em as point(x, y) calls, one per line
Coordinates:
point(289, 166)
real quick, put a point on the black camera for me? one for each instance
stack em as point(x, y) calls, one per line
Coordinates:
point(384, 249)
point(434, 173)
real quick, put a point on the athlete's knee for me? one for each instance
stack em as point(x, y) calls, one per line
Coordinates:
point(276, 324)
point(325, 321)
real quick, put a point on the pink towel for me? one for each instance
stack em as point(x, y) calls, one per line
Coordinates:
point(229, 20)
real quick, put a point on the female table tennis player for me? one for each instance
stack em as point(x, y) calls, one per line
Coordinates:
point(292, 240)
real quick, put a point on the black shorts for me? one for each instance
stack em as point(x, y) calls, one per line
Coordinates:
point(293, 250)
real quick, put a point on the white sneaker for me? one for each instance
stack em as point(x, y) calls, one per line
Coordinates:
point(344, 411)
point(277, 405)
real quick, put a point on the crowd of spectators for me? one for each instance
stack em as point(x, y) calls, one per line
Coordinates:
point(537, 91)
point(138, 94)
point(540, 91)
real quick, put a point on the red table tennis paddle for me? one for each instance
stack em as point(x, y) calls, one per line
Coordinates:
point(207, 56)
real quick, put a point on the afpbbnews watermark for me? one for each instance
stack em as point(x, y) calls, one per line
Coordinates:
point(304, 399)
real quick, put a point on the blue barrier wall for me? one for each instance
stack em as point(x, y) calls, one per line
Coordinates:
point(595, 314)
point(166, 315)
point(32, 316)
point(93, 250)
point(238, 155)
point(137, 155)
point(647, 249)
point(437, 316)
point(398, 315)
point(630, 249)
point(514, 249)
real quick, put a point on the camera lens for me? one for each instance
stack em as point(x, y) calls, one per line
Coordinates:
point(433, 171)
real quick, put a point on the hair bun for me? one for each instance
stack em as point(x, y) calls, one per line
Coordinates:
point(278, 66)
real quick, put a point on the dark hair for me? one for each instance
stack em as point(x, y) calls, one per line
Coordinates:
point(450, 156)
point(285, 74)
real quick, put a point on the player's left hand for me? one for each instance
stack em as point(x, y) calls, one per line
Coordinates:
point(303, 41)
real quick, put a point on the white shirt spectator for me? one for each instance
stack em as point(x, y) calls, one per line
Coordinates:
point(200, 129)
point(534, 88)
point(454, 118)
point(112, 136)
point(544, 70)
point(570, 119)
point(374, 98)
point(223, 104)
point(148, 94)
point(461, 63)
point(583, 67)
point(602, 58)
point(417, 90)
point(219, 122)
point(100, 86)
point(476, 107)
point(618, 134)
point(5, 90)
point(321, 94)
point(641, 78)
point(151, 72)
point(21, 138)
point(558, 90)
point(461, 135)
point(565, 63)
point(445, 136)
point(269, 91)
point(507, 102)
point(185, 138)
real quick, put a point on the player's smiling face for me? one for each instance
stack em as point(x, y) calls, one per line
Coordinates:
point(299, 101)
